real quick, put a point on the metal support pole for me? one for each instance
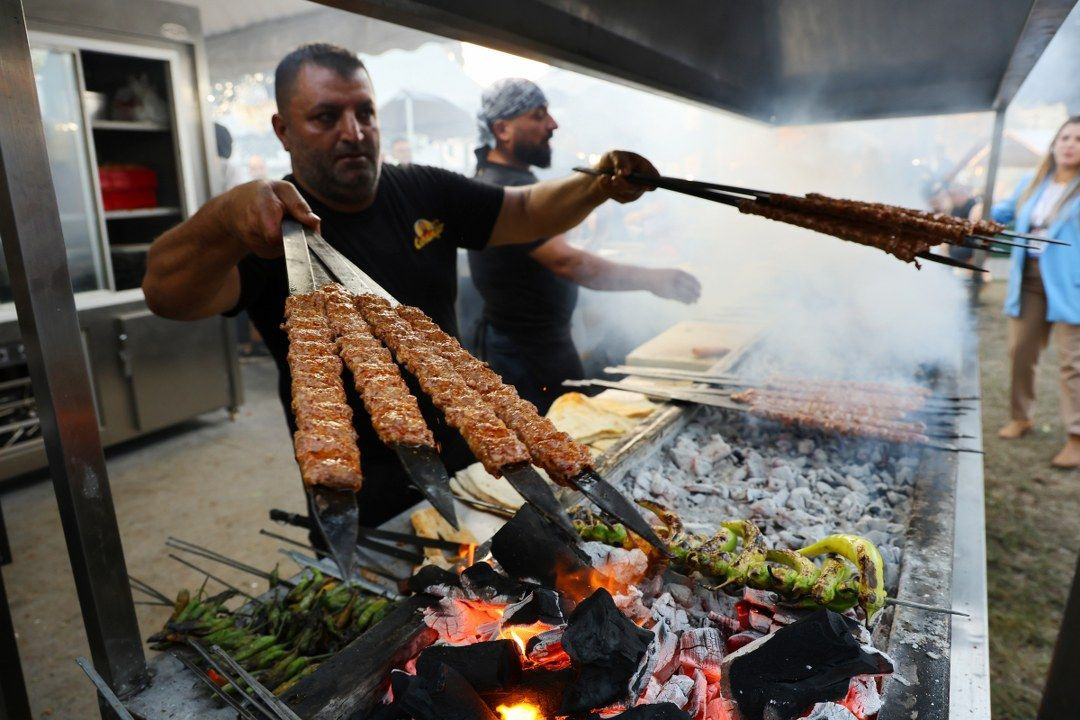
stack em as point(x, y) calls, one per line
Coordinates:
point(996, 140)
point(14, 705)
point(41, 285)
point(1061, 695)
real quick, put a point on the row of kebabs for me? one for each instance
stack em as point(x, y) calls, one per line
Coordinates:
point(331, 325)
point(841, 409)
point(899, 231)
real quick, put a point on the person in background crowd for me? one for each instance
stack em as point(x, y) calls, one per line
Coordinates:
point(1043, 293)
point(400, 151)
point(529, 291)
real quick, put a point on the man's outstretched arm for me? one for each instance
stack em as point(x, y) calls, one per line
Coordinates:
point(552, 207)
point(597, 273)
point(191, 269)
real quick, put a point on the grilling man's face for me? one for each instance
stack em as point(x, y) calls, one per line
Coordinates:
point(332, 133)
point(528, 137)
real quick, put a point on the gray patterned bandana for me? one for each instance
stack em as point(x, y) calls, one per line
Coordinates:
point(507, 98)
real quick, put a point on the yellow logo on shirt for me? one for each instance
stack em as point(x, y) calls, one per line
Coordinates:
point(426, 231)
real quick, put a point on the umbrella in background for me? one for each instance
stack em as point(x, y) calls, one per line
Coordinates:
point(411, 113)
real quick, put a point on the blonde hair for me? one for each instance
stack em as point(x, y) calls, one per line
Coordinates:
point(1046, 169)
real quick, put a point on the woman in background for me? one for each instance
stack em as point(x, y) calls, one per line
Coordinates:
point(1044, 286)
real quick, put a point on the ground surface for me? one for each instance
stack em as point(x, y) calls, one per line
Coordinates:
point(1033, 526)
point(213, 481)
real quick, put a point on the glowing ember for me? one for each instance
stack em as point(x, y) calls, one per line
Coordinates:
point(520, 711)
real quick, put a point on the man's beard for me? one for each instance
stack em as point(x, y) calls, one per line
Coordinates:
point(538, 155)
point(339, 185)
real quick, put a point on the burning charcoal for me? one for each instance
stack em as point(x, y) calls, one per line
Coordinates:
point(702, 649)
point(605, 649)
point(542, 688)
point(660, 711)
point(812, 660)
point(830, 711)
point(431, 575)
point(742, 639)
point(442, 695)
point(528, 546)
point(541, 605)
point(487, 583)
point(486, 665)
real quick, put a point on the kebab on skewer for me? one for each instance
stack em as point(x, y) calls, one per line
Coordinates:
point(325, 440)
point(862, 420)
point(395, 414)
point(550, 448)
point(493, 444)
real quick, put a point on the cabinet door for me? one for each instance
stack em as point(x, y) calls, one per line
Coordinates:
point(177, 370)
point(56, 72)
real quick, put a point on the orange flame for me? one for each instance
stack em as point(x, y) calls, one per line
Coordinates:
point(581, 583)
point(520, 711)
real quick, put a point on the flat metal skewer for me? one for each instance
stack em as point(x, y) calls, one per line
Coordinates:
point(325, 554)
point(216, 689)
point(103, 688)
point(279, 708)
point(1029, 236)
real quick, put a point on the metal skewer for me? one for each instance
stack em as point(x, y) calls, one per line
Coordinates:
point(194, 549)
point(279, 708)
point(215, 578)
point(241, 710)
point(1029, 236)
point(921, 606)
point(324, 554)
point(104, 689)
point(254, 702)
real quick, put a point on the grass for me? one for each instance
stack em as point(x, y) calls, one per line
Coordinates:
point(1032, 521)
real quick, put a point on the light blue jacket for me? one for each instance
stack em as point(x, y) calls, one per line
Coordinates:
point(1058, 264)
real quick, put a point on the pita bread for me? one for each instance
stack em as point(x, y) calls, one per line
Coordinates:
point(474, 481)
point(430, 524)
point(625, 403)
point(585, 421)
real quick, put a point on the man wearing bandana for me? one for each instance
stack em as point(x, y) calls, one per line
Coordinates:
point(530, 290)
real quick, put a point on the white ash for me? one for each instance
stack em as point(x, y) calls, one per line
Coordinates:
point(797, 487)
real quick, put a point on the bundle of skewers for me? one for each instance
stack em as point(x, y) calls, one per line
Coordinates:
point(905, 233)
point(372, 336)
point(889, 412)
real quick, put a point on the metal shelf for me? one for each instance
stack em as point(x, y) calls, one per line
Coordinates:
point(132, 125)
point(141, 213)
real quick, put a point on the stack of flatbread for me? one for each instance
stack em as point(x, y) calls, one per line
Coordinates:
point(599, 421)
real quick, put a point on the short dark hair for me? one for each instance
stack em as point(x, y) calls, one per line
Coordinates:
point(343, 62)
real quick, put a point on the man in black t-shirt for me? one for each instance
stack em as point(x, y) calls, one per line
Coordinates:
point(401, 225)
point(530, 290)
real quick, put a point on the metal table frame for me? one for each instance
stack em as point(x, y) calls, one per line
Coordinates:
point(41, 285)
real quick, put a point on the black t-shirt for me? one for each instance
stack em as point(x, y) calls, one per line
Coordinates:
point(407, 242)
point(522, 298)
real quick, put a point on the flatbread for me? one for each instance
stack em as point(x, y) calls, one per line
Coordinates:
point(430, 524)
point(625, 403)
point(582, 419)
point(474, 481)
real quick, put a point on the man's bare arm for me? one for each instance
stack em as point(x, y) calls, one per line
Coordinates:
point(191, 269)
point(552, 207)
point(593, 271)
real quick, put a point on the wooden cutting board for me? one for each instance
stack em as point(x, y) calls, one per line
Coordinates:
point(696, 345)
